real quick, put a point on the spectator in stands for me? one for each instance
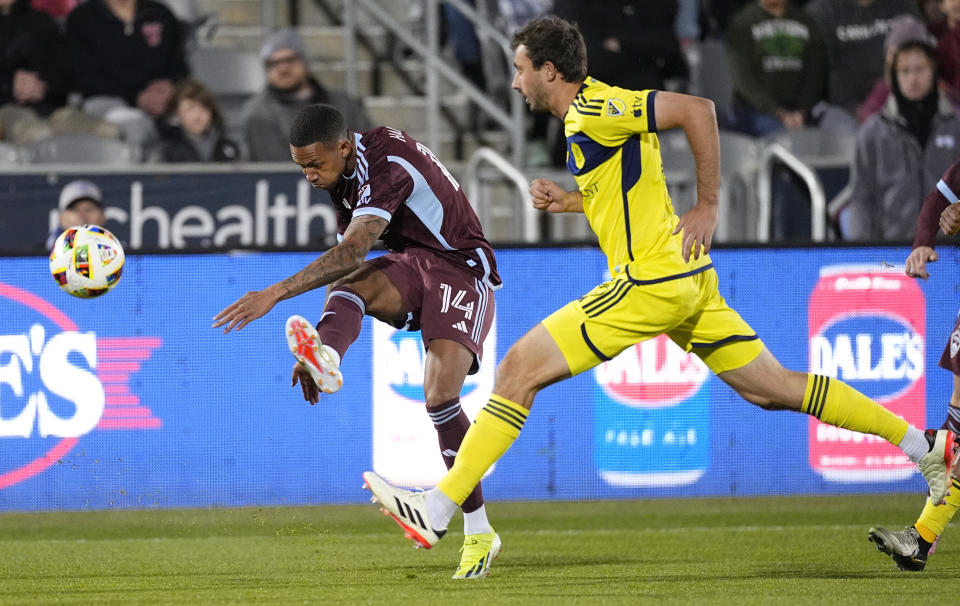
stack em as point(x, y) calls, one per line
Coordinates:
point(902, 151)
point(267, 117)
point(58, 9)
point(903, 29)
point(465, 44)
point(854, 31)
point(947, 33)
point(81, 203)
point(630, 44)
point(194, 130)
point(126, 57)
point(33, 78)
point(776, 58)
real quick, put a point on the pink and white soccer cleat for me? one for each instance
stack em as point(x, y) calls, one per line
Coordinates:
point(305, 345)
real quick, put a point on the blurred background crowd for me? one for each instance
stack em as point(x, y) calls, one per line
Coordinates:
point(884, 74)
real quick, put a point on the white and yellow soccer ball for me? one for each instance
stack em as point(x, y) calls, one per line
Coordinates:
point(86, 260)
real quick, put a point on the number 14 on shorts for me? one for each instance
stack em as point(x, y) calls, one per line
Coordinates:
point(455, 301)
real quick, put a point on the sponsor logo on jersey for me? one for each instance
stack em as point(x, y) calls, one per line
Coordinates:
point(615, 107)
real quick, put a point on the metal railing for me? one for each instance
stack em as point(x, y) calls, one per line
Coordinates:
point(818, 199)
point(429, 52)
point(530, 228)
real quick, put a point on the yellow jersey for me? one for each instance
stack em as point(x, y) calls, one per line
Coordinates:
point(614, 155)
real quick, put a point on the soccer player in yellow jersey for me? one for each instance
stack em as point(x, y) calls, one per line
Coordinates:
point(662, 279)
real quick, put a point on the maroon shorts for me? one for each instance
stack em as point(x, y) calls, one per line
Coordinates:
point(443, 300)
point(951, 353)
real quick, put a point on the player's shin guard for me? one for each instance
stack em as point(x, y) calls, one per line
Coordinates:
point(496, 427)
point(834, 402)
point(934, 518)
point(452, 424)
point(342, 319)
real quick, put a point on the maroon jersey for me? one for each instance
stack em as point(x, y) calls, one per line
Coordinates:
point(400, 180)
point(946, 193)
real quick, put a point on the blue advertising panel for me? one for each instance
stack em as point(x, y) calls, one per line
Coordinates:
point(132, 400)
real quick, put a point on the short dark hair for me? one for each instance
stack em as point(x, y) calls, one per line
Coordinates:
point(318, 123)
point(553, 39)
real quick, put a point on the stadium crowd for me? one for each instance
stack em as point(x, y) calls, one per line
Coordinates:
point(885, 72)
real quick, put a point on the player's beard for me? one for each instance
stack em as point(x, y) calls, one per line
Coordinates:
point(538, 101)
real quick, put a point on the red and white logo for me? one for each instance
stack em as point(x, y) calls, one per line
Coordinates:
point(652, 374)
point(83, 383)
point(152, 33)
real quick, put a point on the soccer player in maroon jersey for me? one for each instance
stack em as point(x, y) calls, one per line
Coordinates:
point(437, 277)
point(911, 546)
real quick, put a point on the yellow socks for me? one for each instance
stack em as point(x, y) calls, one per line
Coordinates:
point(934, 518)
point(493, 431)
point(834, 402)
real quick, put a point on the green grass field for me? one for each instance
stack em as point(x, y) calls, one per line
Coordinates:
point(715, 551)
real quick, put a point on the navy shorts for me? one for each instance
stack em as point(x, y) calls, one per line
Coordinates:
point(443, 300)
point(951, 353)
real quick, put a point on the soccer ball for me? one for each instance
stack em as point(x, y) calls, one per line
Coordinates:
point(86, 261)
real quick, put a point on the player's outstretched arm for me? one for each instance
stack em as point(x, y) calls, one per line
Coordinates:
point(337, 262)
point(697, 117)
point(549, 196)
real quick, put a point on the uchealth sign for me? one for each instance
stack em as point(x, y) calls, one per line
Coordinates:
point(166, 211)
point(59, 382)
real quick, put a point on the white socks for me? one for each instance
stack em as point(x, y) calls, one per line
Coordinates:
point(441, 508)
point(476, 522)
point(914, 444)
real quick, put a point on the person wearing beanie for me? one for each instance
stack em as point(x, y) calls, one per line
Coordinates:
point(902, 151)
point(267, 116)
point(903, 29)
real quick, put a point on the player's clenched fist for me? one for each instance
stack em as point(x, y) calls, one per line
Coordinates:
point(547, 196)
point(950, 219)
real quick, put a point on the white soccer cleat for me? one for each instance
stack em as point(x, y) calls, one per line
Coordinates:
point(305, 345)
point(407, 508)
point(937, 465)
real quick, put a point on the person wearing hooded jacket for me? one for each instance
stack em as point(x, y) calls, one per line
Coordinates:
point(901, 151)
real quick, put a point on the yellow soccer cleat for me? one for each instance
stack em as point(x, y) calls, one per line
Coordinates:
point(478, 551)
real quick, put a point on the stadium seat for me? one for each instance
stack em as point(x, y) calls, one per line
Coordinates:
point(739, 162)
point(10, 154)
point(739, 166)
point(819, 148)
point(233, 76)
point(86, 149)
